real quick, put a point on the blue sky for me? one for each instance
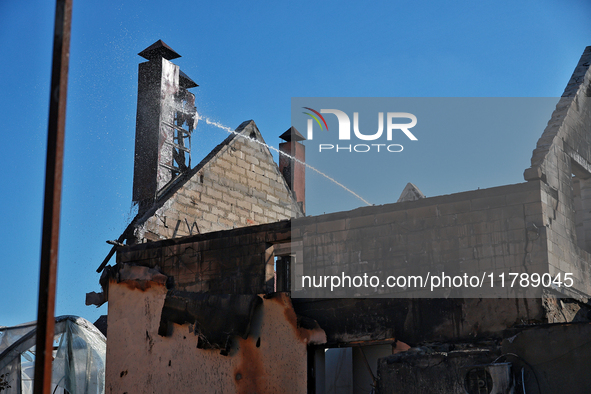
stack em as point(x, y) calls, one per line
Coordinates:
point(250, 59)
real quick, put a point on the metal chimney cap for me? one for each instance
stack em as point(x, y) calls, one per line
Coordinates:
point(185, 81)
point(159, 50)
point(292, 134)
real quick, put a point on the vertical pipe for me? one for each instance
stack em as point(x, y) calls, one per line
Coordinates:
point(53, 189)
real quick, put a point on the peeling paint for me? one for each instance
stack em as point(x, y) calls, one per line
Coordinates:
point(271, 359)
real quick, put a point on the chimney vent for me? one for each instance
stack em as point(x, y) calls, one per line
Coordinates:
point(293, 171)
point(166, 117)
point(159, 50)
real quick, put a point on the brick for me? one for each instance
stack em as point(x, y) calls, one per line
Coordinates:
point(263, 180)
point(250, 199)
point(254, 184)
point(265, 163)
point(250, 175)
point(278, 209)
point(208, 200)
point(523, 197)
point(202, 207)
point(260, 218)
point(276, 185)
point(259, 194)
point(488, 203)
point(217, 170)
point(214, 193)
point(244, 204)
point(208, 174)
point(391, 217)
point(263, 203)
point(231, 158)
point(482, 228)
point(183, 200)
point(244, 214)
point(222, 184)
point(216, 227)
point(453, 208)
point(253, 160)
point(218, 212)
point(257, 170)
point(227, 201)
point(361, 221)
point(272, 174)
point(238, 170)
point(192, 212)
point(472, 217)
point(210, 217)
point(223, 163)
point(196, 186)
point(243, 164)
point(247, 150)
point(234, 177)
point(533, 209)
point(272, 199)
point(331, 226)
point(232, 216)
point(423, 212)
point(226, 222)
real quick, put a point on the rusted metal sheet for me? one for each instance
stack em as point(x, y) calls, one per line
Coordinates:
point(53, 190)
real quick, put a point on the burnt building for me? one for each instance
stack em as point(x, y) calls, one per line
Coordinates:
point(200, 297)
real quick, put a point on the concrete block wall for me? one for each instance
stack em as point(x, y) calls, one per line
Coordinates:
point(238, 261)
point(562, 160)
point(238, 185)
point(496, 230)
point(566, 255)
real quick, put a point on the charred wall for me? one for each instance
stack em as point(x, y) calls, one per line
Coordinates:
point(271, 358)
point(238, 261)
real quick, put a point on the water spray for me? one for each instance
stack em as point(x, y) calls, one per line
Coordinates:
point(229, 130)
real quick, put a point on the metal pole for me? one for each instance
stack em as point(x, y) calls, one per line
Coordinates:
point(53, 192)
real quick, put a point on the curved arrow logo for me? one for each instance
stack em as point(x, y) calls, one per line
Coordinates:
point(316, 118)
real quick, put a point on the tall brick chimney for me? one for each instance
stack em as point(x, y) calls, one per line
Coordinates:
point(166, 116)
point(294, 172)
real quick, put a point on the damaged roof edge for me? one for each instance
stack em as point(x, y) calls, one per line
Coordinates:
point(172, 188)
point(274, 230)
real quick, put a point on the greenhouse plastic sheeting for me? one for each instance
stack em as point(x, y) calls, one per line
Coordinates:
point(78, 364)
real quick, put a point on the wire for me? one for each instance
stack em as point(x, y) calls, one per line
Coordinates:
point(526, 363)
